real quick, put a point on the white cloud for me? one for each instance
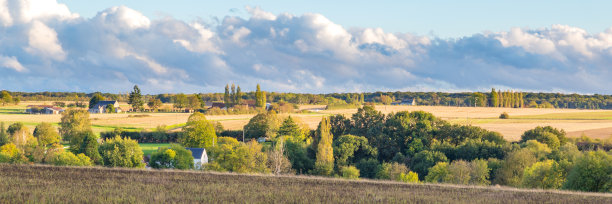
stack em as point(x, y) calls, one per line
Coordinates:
point(120, 47)
point(11, 63)
point(42, 41)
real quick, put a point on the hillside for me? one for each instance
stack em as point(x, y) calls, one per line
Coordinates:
point(44, 184)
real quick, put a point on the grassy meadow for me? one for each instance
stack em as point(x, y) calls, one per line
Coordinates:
point(593, 123)
point(52, 184)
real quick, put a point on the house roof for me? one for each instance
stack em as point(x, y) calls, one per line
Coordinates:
point(196, 152)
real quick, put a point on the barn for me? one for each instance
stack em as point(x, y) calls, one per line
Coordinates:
point(199, 157)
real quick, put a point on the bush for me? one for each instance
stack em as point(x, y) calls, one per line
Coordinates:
point(546, 174)
point(349, 172)
point(591, 172)
point(504, 115)
point(174, 157)
point(119, 152)
point(69, 159)
point(392, 171)
point(410, 177)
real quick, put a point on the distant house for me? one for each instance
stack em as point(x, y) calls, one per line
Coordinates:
point(199, 157)
point(405, 103)
point(43, 109)
point(219, 105)
point(100, 107)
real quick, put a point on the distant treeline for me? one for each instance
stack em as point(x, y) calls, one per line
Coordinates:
point(522, 99)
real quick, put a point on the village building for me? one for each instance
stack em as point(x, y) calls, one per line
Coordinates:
point(43, 109)
point(199, 157)
point(101, 106)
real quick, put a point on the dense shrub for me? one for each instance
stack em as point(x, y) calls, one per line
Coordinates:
point(591, 172)
point(121, 152)
point(174, 157)
point(349, 172)
point(504, 115)
point(69, 159)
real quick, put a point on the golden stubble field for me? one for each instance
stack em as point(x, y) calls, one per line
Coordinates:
point(593, 123)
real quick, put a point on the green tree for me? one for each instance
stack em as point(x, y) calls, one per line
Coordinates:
point(348, 149)
point(324, 164)
point(277, 161)
point(89, 146)
point(154, 104)
point(110, 108)
point(591, 172)
point(135, 99)
point(368, 167)
point(119, 152)
point(512, 169)
point(349, 172)
point(174, 157)
point(545, 135)
point(263, 125)
point(439, 173)
point(233, 98)
point(198, 132)
point(5, 97)
point(180, 101)
point(422, 161)
point(260, 98)
point(227, 97)
point(238, 95)
point(74, 122)
point(544, 175)
point(95, 99)
point(20, 135)
point(46, 134)
point(392, 171)
point(231, 155)
point(4, 139)
point(291, 128)
point(493, 98)
point(69, 159)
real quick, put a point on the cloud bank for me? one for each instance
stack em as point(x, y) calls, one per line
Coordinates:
point(45, 47)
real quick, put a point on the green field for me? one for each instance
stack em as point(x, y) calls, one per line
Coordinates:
point(149, 148)
point(51, 184)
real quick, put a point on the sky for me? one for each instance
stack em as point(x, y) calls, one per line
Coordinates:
point(312, 46)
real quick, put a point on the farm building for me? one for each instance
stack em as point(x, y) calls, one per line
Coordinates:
point(199, 157)
point(43, 109)
point(101, 106)
point(405, 103)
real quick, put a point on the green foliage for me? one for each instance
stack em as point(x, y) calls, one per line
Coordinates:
point(19, 134)
point(493, 99)
point(592, 172)
point(260, 98)
point(74, 122)
point(110, 108)
point(324, 164)
point(512, 169)
point(422, 161)
point(368, 167)
point(544, 135)
point(504, 115)
point(349, 172)
point(69, 159)
point(439, 173)
point(410, 177)
point(154, 104)
point(95, 99)
point(297, 153)
point(89, 146)
point(46, 134)
point(539, 150)
point(174, 157)
point(119, 152)
point(460, 172)
point(135, 99)
point(198, 132)
point(544, 175)
point(4, 138)
point(5, 98)
point(291, 128)
point(231, 155)
point(277, 161)
point(9, 153)
point(348, 149)
point(340, 125)
point(263, 125)
point(392, 171)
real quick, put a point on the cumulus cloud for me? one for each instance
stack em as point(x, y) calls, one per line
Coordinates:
point(45, 47)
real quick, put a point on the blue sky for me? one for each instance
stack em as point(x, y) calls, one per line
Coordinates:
point(310, 47)
point(442, 18)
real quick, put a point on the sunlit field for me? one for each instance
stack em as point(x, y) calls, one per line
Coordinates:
point(593, 123)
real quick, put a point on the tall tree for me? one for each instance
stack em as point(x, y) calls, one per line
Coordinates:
point(154, 104)
point(233, 95)
point(6, 98)
point(95, 99)
point(3, 136)
point(238, 95)
point(493, 98)
point(226, 96)
point(501, 99)
point(74, 122)
point(46, 134)
point(136, 100)
point(198, 132)
point(324, 164)
point(260, 98)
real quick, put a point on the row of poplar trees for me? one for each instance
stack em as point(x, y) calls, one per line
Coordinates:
point(233, 96)
point(506, 99)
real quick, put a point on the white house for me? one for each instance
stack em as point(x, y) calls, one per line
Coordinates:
point(100, 107)
point(199, 157)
